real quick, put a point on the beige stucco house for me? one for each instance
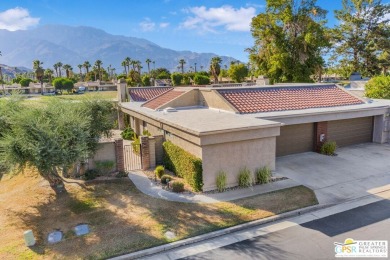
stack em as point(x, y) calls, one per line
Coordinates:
point(232, 128)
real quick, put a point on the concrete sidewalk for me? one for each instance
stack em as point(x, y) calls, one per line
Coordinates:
point(142, 182)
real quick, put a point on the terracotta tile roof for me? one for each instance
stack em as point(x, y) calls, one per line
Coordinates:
point(267, 99)
point(146, 93)
point(162, 99)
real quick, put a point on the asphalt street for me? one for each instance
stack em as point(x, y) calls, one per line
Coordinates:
point(312, 240)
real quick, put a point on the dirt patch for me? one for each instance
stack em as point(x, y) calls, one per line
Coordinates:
point(121, 218)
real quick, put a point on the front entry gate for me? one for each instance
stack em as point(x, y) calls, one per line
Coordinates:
point(132, 157)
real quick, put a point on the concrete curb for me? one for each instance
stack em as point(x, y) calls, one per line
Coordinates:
point(214, 234)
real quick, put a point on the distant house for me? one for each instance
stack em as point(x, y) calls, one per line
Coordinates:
point(162, 82)
point(235, 127)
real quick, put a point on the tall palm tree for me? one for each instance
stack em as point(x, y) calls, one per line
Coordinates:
point(59, 67)
point(124, 64)
point(154, 64)
point(148, 61)
point(134, 64)
point(39, 72)
point(128, 61)
point(67, 69)
point(80, 66)
point(98, 65)
point(215, 67)
point(86, 65)
point(49, 74)
point(138, 66)
point(182, 62)
point(195, 67)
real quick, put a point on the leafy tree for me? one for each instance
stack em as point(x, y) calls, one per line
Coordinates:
point(24, 82)
point(181, 64)
point(145, 80)
point(61, 84)
point(238, 72)
point(384, 62)
point(52, 137)
point(378, 87)
point(362, 34)
point(176, 78)
point(200, 79)
point(156, 72)
point(289, 38)
point(215, 68)
point(163, 75)
point(186, 79)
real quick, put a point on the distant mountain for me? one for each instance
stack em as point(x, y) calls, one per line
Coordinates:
point(12, 71)
point(74, 45)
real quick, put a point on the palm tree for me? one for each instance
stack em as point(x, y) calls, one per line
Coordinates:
point(195, 67)
point(154, 64)
point(57, 67)
point(49, 74)
point(148, 61)
point(201, 67)
point(182, 62)
point(86, 65)
point(98, 65)
point(80, 66)
point(124, 64)
point(128, 61)
point(138, 66)
point(67, 69)
point(215, 67)
point(39, 72)
point(133, 63)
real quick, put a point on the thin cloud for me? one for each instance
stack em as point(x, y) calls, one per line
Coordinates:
point(17, 19)
point(147, 25)
point(164, 25)
point(212, 19)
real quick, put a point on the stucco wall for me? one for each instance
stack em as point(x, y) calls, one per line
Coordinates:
point(105, 152)
point(191, 98)
point(231, 157)
point(211, 98)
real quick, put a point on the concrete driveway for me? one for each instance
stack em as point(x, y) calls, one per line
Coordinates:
point(355, 172)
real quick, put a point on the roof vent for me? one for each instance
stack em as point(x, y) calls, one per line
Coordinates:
point(169, 109)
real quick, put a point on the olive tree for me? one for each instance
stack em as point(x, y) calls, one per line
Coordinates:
point(53, 136)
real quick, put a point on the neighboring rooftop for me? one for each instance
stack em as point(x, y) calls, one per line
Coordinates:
point(146, 93)
point(269, 99)
point(162, 99)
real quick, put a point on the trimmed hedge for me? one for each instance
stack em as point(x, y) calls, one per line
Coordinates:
point(183, 164)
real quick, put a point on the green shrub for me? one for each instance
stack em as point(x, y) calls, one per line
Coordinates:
point(183, 164)
point(221, 181)
point(90, 174)
point(201, 79)
point(128, 134)
point(146, 133)
point(176, 78)
point(263, 175)
point(166, 178)
point(159, 171)
point(121, 174)
point(104, 167)
point(378, 87)
point(177, 186)
point(244, 178)
point(328, 148)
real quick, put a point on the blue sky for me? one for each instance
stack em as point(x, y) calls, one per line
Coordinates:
point(221, 27)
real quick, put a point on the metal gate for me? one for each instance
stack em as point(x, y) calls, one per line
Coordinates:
point(132, 157)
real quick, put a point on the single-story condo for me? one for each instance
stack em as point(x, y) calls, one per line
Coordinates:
point(235, 127)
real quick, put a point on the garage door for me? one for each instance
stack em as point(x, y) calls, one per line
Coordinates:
point(351, 131)
point(295, 139)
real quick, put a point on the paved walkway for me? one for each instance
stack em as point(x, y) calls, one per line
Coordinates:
point(142, 182)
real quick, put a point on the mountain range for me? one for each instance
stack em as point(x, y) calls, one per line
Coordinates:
point(74, 45)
